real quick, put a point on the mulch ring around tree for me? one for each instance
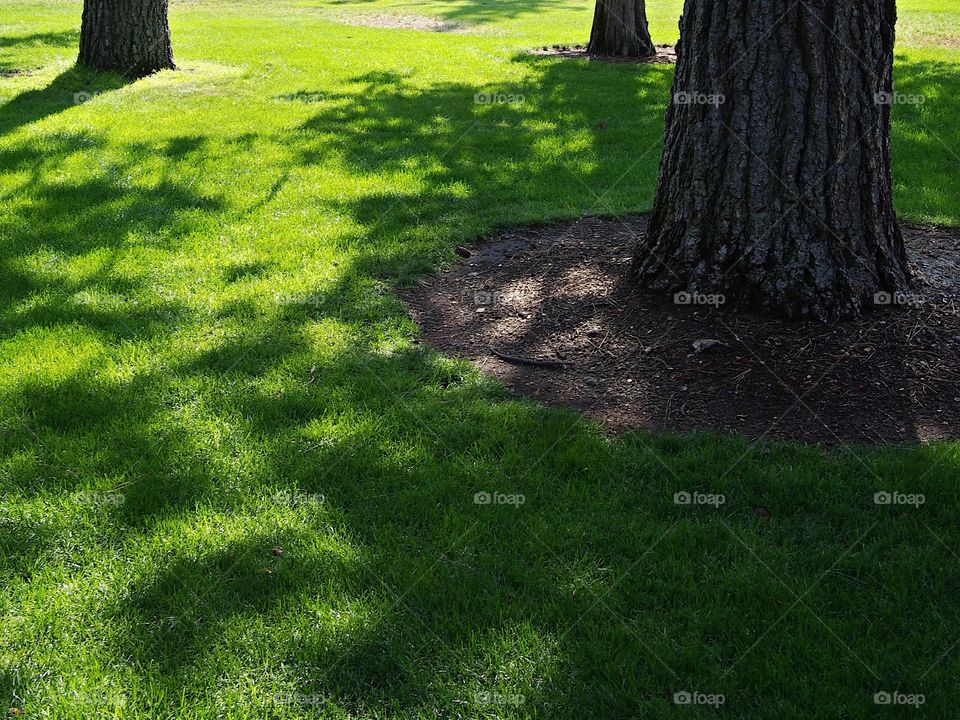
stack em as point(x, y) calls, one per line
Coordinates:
point(666, 55)
point(552, 312)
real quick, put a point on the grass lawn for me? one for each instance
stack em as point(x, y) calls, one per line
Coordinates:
point(232, 484)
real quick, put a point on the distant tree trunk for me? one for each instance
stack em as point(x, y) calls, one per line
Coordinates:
point(775, 186)
point(131, 37)
point(620, 29)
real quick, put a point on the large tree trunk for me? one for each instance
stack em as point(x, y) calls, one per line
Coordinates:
point(775, 187)
point(131, 37)
point(620, 29)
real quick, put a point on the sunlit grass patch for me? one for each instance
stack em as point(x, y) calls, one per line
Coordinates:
point(234, 484)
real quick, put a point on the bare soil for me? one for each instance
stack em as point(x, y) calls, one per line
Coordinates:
point(942, 41)
point(666, 55)
point(401, 22)
point(552, 311)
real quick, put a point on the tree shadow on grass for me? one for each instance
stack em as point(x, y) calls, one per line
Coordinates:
point(63, 38)
point(71, 87)
point(594, 576)
point(180, 611)
point(34, 156)
point(107, 442)
point(403, 594)
point(95, 216)
point(12, 45)
point(472, 144)
point(925, 141)
point(453, 587)
point(24, 546)
point(174, 620)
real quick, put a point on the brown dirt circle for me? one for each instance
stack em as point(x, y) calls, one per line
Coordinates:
point(666, 55)
point(561, 293)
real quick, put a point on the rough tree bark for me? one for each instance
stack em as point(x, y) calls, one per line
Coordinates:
point(131, 37)
point(775, 186)
point(620, 29)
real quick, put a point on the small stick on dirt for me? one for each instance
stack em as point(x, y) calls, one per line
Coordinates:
point(533, 362)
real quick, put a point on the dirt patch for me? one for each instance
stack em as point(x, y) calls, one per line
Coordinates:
point(666, 55)
point(928, 40)
point(561, 294)
point(403, 22)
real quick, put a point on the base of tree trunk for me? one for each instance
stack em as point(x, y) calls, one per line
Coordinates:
point(130, 37)
point(775, 188)
point(620, 30)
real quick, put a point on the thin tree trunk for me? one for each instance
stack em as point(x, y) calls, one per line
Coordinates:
point(775, 187)
point(131, 37)
point(620, 29)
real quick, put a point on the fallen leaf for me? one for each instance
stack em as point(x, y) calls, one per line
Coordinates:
point(276, 551)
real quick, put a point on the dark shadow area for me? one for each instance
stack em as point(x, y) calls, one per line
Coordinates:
point(245, 271)
point(12, 44)
point(66, 38)
point(116, 425)
point(179, 613)
point(24, 546)
point(181, 147)
point(71, 87)
point(925, 146)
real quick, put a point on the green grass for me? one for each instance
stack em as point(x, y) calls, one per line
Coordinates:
point(202, 358)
